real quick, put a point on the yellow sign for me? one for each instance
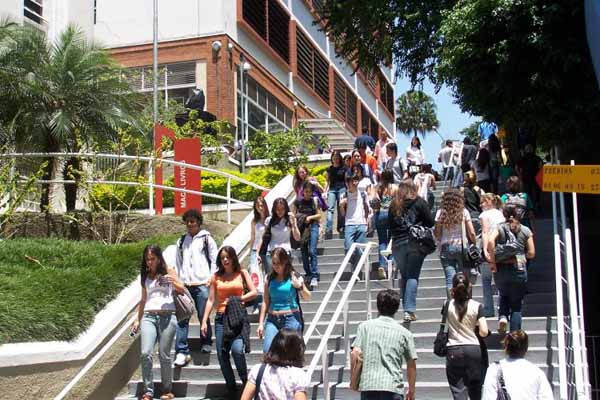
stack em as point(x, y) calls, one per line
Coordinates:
point(571, 178)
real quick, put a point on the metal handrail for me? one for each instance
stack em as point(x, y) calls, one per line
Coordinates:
point(322, 353)
point(151, 161)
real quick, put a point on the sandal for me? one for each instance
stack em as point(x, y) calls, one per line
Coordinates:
point(147, 396)
point(167, 396)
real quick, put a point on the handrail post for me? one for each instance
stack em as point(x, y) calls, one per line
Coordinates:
point(346, 336)
point(325, 371)
point(367, 270)
point(150, 187)
point(560, 319)
point(229, 200)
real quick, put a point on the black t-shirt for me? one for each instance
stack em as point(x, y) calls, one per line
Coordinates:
point(530, 165)
point(472, 200)
point(337, 177)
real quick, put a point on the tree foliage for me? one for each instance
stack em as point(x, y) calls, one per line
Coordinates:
point(472, 132)
point(519, 63)
point(416, 113)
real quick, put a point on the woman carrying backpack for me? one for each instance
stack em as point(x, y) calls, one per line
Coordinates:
point(382, 199)
point(518, 200)
point(463, 362)
point(308, 216)
point(283, 288)
point(280, 228)
point(408, 209)
point(509, 248)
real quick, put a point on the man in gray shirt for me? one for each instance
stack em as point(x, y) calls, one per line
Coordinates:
point(395, 163)
point(448, 157)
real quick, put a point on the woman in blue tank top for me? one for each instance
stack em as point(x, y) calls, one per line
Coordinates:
point(280, 299)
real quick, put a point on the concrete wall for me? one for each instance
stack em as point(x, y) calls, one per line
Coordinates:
point(123, 23)
point(305, 19)
point(61, 13)
point(12, 9)
point(255, 49)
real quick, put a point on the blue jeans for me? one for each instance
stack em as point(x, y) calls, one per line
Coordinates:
point(309, 253)
point(512, 284)
point(383, 233)
point(236, 348)
point(153, 328)
point(354, 234)
point(333, 200)
point(275, 323)
point(488, 295)
point(200, 296)
point(409, 261)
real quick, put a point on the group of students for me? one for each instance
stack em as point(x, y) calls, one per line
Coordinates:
point(214, 279)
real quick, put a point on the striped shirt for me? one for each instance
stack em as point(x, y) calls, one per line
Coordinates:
point(385, 344)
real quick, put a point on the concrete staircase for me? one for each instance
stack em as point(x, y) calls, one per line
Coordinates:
point(202, 379)
point(338, 137)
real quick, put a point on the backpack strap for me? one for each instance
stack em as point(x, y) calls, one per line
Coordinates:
point(180, 247)
point(259, 376)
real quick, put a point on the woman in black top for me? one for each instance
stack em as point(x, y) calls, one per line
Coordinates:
point(308, 215)
point(472, 194)
point(335, 187)
point(408, 209)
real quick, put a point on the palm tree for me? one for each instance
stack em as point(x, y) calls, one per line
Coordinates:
point(62, 96)
point(416, 113)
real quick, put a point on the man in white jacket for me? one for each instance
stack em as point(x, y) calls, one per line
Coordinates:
point(196, 262)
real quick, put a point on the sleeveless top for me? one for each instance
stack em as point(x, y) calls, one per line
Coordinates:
point(282, 295)
point(259, 230)
point(159, 296)
point(227, 288)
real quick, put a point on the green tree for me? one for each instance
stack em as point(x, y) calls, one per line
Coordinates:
point(62, 96)
point(472, 132)
point(416, 113)
point(285, 150)
point(518, 63)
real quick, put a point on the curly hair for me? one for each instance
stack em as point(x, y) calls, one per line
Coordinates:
point(451, 210)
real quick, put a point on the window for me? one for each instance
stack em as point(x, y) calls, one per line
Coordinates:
point(271, 22)
point(386, 94)
point(369, 124)
point(345, 103)
point(313, 68)
point(176, 81)
point(264, 111)
point(34, 11)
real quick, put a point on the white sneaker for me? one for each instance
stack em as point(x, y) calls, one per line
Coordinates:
point(314, 283)
point(502, 323)
point(181, 360)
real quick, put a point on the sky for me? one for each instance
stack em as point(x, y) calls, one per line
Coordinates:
point(452, 121)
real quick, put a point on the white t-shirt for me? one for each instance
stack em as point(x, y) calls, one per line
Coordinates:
point(280, 235)
point(159, 296)
point(463, 332)
point(494, 218)
point(446, 158)
point(259, 230)
point(453, 234)
point(423, 182)
point(523, 381)
point(415, 155)
point(363, 185)
point(280, 383)
point(355, 210)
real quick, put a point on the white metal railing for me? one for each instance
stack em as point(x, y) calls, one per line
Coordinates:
point(322, 354)
point(152, 162)
point(593, 342)
point(572, 351)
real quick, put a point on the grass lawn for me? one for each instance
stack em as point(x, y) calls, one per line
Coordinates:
point(51, 289)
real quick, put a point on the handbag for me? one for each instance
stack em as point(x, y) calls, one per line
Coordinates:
point(424, 238)
point(252, 302)
point(440, 344)
point(356, 365)
point(471, 253)
point(184, 304)
point(502, 392)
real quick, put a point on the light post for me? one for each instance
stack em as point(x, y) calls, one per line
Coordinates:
point(154, 102)
point(244, 68)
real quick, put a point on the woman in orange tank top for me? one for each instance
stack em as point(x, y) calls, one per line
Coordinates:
point(227, 282)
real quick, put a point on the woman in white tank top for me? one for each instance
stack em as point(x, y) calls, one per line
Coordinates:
point(156, 319)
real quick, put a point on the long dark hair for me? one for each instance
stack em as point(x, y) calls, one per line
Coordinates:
point(338, 154)
point(161, 268)
point(235, 262)
point(418, 145)
point(257, 215)
point(494, 143)
point(287, 349)
point(297, 181)
point(461, 294)
point(284, 258)
point(483, 159)
point(274, 217)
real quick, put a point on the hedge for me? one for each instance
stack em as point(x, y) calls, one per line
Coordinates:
point(211, 183)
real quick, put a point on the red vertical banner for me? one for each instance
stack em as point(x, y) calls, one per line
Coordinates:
point(187, 151)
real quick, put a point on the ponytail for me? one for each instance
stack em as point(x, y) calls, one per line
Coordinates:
point(498, 203)
point(461, 294)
